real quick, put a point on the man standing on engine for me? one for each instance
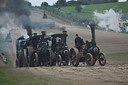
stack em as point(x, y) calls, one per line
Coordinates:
point(78, 42)
point(53, 44)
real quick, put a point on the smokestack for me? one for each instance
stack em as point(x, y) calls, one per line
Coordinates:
point(92, 25)
point(43, 34)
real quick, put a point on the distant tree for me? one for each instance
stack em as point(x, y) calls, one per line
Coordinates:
point(78, 8)
point(71, 3)
point(60, 3)
point(44, 4)
point(113, 0)
point(29, 4)
point(84, 2)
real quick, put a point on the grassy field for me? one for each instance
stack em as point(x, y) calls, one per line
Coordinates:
point(123, 57)
point(70, 15)
point(88, 10)
point(11, 76)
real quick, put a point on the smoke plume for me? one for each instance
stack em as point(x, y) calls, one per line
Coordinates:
point(109, 20)
point(16, 11)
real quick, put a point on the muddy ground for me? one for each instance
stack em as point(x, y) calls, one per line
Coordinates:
point(110, 42)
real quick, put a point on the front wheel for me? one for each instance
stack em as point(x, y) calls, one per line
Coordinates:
point(35, 55)
point(89, 59)
point(74, 60)
point(59, 60)
point(17, 63)
point(66, 61)
point(102, 59)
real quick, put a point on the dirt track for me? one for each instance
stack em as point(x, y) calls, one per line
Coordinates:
point(109, 42)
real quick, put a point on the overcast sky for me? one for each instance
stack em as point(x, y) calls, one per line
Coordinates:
point(50, 2)
point(38, 2)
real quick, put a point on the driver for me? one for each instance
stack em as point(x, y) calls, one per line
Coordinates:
point(78, 42)
point(53, 44)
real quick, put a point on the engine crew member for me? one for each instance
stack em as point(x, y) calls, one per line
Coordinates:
point(78, 42)
point(53, 44)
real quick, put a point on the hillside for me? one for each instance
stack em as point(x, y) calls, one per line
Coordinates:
point(87, 12)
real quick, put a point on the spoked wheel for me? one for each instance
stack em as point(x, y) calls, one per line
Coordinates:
point(66, 62)
point(59, 60)
point(26, 61)
point(102, 59)
point(52, 59)
point(30, 57)
point(20, 61)
point(17, 63)
point(31, 61)
point(35, 56)
point(94, 61)
point(74, 60)
point(89, 59)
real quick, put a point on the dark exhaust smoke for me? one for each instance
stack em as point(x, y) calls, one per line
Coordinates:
point(20, 9)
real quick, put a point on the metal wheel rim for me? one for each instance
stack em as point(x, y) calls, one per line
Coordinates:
point(102, 59)
point(59, 61)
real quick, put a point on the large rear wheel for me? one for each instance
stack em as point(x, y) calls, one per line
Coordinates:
point(89, 59)
point(74, 60)
point(17, 63)
point(30, 57)
point(102, 59)
point(35, 56)
point(52, 58)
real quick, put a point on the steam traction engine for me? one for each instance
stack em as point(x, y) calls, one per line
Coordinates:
point(43, 51)
point(20, 60)
point(89, 52)
point(60, 51)
point(24, 51)
point(37, 50)
point(32, 51)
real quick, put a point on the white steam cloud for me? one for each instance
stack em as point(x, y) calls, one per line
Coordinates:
point(127, 29)
point(109, 20)
point(8, 25)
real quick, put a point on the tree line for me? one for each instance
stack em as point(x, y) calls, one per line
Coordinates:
point(61, 3)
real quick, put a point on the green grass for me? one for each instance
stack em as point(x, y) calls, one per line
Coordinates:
point(70, 15)
point(11, 76)
point(88, 10)
point(119, 56)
